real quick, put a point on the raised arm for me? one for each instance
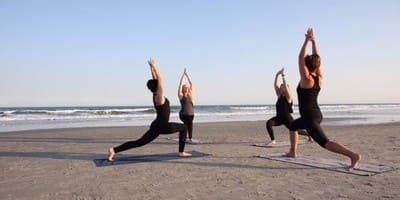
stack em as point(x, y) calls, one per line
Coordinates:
point(160, 99)
point(305, 76)
point(151, 63)
point(287, 88)
point(314, 45)
point(191, 87)
point(315, 51)
point(180, 93)
point(189, 79)
point(276, 85)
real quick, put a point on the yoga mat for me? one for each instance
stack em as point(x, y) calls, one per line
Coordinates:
point(119, 160)
point(330, 164)
point(194, 141)
point(279, 144)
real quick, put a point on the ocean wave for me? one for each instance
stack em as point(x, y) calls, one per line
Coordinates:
point(83, 115)
point(67, 112)
point(250, 107)
point(359, 107)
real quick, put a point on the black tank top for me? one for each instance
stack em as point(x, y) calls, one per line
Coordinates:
point(308, 100)
point(163, 111)
point(283, 107)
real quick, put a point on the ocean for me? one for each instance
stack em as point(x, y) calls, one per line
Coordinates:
point(28, 118)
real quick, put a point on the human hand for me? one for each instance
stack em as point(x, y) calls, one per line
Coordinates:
point(282, 71)
point(310, 34)
point(151, 62)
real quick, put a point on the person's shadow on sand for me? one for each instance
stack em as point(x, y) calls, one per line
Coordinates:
point(171, 158)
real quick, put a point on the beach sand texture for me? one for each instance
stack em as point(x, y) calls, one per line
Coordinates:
point(58, 164)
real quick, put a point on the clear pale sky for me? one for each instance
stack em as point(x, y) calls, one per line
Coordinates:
point(72, 53)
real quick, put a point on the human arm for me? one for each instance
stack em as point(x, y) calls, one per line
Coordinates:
point(313, 42)
point(318, 72)
point(315, 51)
point(306, 80)
point(276, 85)
point(288, 95)
point(153, 68)
point(191, 87)
point(160, 86)
point(180, 93)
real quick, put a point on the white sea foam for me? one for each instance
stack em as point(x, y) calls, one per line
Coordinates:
point(33, 118)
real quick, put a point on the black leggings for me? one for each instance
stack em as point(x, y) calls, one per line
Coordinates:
point(188, 121)
point(276, 121)
point(313, 128)
point(155, 130)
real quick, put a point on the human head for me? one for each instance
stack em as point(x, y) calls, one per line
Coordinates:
point(313, 62)
point(282, 89)
point(152, 84)
point(185, 89)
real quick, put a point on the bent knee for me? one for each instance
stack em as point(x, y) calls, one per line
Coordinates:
point(322, 142)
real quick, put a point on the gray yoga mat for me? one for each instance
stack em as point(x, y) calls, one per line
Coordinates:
point(279, 144)
point(194, 141)
point(330, 164)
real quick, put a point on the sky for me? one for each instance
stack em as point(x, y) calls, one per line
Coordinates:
point(95, 52)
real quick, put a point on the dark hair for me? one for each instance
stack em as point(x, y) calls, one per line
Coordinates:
point(313, 62)
point(152, 84)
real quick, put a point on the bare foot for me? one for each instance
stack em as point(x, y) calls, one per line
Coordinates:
point(184, 154)
point(355, 159)
point(272, 142)
point(111, 154)
point(291, 154)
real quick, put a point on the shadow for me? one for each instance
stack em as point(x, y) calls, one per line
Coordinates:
point(62, 140)
point(55, 155)
point(85, 140)
point(119, 160)
point(160, 140)
point(100, 160)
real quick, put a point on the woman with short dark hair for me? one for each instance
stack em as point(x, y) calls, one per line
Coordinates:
point(161, 124)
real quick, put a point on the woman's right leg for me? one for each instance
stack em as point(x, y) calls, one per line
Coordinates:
point(188, 121)
point(149, 136)
point(338, 148)
point(294, 136)
point(171, 127)
point(269, 124)
point(316, 132)
point(189, 125)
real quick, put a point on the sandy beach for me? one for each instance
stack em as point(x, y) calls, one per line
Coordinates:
point(58, 164)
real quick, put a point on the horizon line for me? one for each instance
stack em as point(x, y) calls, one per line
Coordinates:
point(70, 106)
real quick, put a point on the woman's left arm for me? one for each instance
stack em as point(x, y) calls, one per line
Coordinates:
point(160, 99)
point(191, 87)
point(287, 88)
point(180, 93)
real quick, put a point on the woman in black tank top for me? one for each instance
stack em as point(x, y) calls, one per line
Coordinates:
point(161, 124)
point(186, 98)
point(283, 107)
point(311, 116)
